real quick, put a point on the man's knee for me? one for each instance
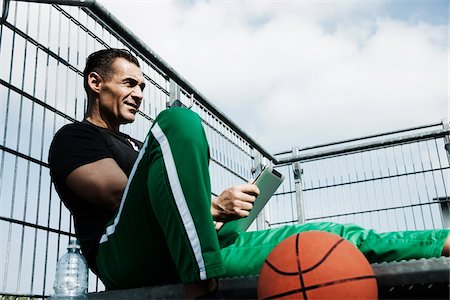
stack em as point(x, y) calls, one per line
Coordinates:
point(182, 124)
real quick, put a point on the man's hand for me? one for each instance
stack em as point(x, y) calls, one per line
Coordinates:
point(234, 203)
point(218, 225)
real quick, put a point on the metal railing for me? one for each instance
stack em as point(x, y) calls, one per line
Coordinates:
point(396, 179)
point(392, 181)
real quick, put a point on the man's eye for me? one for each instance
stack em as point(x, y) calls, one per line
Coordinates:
point(130, 83)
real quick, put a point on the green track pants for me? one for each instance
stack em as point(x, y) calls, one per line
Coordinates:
point(163, 231)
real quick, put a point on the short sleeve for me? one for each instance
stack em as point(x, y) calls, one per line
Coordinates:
point(73, 146)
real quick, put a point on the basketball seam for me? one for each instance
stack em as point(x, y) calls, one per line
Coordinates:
point(358, 278)
point(306, 270)
point(324, 257)
point(299, 268)
point(279, 271)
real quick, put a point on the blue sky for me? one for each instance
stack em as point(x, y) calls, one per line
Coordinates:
point(305, 72)
point(432, 11)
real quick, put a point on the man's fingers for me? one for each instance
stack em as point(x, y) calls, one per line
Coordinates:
point(235, 202)
point(249, 189)
point(243, 213)
point(245, 197)
point(243, 205)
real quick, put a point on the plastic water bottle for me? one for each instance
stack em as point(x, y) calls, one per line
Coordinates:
point(71, 281)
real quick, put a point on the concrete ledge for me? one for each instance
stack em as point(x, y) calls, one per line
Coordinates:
point(412, 279)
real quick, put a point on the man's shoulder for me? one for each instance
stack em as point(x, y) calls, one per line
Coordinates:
point(77, 131)
point(76, 127)
point(77, 141)
point(73, 134)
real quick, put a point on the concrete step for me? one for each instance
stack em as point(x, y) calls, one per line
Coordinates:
point(412, 279)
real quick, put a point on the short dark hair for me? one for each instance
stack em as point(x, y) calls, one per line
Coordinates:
point(102, 60)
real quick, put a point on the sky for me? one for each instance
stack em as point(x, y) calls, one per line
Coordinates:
point(302, 73)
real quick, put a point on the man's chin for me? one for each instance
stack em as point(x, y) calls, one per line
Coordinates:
point(128, 119)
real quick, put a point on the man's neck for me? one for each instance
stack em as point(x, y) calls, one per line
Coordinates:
point(101, 123)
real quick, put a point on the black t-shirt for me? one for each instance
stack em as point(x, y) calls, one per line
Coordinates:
point(78, 144)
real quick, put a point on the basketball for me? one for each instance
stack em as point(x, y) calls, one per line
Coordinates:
point(316, 265)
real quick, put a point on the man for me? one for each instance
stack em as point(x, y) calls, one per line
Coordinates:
point(146, 217)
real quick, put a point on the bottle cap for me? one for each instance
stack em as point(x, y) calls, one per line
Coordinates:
point(73, 244)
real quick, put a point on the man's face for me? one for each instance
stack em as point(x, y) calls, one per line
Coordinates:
point(121, 94)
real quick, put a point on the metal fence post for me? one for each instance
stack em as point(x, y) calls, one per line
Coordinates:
point(174, 97)
point(298, 172)
point(445, 201)
point(446, 125)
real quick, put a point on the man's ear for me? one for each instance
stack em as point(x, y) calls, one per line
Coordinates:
point(94, 80)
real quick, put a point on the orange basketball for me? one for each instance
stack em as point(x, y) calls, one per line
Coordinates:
point(316, 265)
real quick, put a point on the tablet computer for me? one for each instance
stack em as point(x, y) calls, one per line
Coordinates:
point(267, 181)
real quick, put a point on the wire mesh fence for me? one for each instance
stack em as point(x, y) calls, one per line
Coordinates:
point(395, 181)
point(43, 48)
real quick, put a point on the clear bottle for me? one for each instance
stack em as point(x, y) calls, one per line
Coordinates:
point(71, 281)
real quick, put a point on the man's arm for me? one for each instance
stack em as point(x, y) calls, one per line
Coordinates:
point(101, 183)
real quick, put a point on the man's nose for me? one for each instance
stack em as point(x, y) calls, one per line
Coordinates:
point(138, 93)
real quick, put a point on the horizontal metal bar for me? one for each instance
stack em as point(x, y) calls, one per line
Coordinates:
point(45, 228)
point(284, 193)
point(61, 2)
point(363, 138)
point(22, 296)
point(283, 153)
point(438, 133)
point(35, 100)
point(375, 179)
point(375, 210)
point(24, 156)
point(358, 212)
point(282, 223)
point(442, 199)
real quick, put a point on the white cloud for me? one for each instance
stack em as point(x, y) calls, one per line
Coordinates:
point(302, 72)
